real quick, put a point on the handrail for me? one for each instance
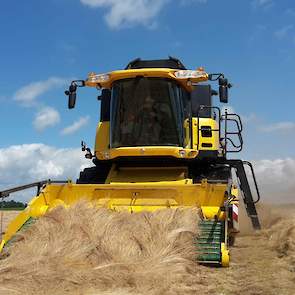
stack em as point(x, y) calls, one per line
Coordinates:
point(238, 147)
point(237, 119)
point(254, 179)
point(39, 184)
point(245, 188)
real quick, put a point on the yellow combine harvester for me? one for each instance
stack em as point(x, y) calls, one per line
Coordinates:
point(160, 143)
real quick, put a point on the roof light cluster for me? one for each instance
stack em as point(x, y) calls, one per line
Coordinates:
point(98, 78)
point(186, 74)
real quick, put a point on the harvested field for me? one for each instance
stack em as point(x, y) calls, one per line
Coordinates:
point(89, 251)
point(6, 216)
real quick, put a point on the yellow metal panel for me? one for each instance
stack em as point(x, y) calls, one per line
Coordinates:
point(187, 135)
point(235, 192)
point(102, 139)
point(210, 212)
point(163, 175)
point(140, 151)
point(150, 72)
point(214, 140)
point(183, 194)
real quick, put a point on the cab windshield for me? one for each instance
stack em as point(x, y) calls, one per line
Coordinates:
point(147, 112)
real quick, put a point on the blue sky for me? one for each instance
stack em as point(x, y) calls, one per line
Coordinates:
point(44, 44)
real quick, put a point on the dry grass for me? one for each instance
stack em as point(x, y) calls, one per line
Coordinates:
point(85, 251)
point(98, 252)
point(282, 236)
point(6, 217)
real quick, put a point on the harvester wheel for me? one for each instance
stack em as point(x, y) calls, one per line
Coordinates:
point(231, 240)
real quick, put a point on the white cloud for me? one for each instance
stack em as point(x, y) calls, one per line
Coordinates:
point(278, 127)
point(276, 179)
point(262, 126)
point(186, 2)
point(21, 164)
point(28, 94)
point(283, 32)
point(46, 117)
point(132, 12)
point(128, 12)
point(262, 3)
point(75, 126)
point(249, 118)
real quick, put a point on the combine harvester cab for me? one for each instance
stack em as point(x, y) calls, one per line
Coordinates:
point(160, 143)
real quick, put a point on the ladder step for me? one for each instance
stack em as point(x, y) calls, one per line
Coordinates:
point(209, 262)
point(208, 252)
point(202, 247)
point(209, 234)
point(207, 244)
point(209, 257)
point(207, 221)
point(210, 226)
point(209, 239)
point(210, 229)
point(213, 224)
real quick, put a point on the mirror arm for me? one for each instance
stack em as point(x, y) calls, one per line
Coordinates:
point(78, 83)
point(85, 148)
point(73, 86)
point(215, 76)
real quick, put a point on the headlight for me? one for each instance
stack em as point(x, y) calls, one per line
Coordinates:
point(186, 74)
point(182, 153)
point(98, 78)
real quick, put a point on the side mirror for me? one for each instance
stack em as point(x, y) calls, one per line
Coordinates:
point(71, 93)
point(223, 89)
point(72, 100)
point(223, 94)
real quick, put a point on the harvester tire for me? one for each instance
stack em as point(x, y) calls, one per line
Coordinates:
point(231, 241)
